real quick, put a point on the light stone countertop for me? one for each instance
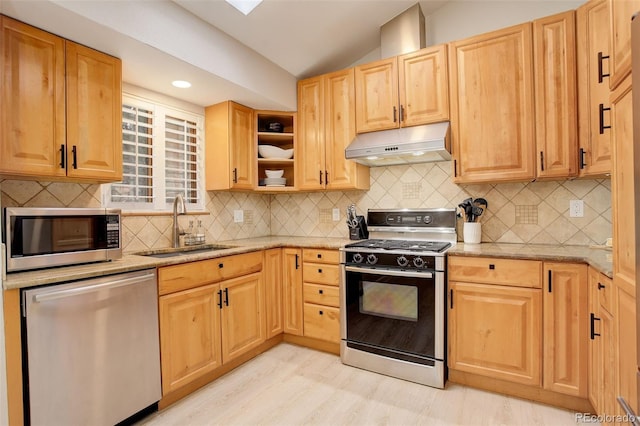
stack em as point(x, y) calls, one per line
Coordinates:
point(598, 258)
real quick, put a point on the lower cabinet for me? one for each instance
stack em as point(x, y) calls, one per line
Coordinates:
point(274, 287)
point(521, 321)
point(292, 288)
point(211, 312)
point(321, 280)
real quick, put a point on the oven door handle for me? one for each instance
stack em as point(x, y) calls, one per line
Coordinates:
point(390, 273)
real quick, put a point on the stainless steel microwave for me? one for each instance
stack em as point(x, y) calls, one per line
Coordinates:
point(45, 237)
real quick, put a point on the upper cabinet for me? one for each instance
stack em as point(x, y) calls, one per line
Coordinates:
point(620, 56)
point(406, 90)
point(554, 60)
point(276, 139)
point(592, 23)
point(492, 106)
point(61, 118)
point(230, 147)
point(326, 126)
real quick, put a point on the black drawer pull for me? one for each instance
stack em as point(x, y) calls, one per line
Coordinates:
point(601, 286)
point(319, 271)
point(492, 266)
point(321, 291)
point(321, 313)
point(319, 255)
point(220, 265)
point(581, 158)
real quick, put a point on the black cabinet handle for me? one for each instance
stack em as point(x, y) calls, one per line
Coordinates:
point(581, 158)
point(549, 276)
point(401, 113)
point(451, 299)
point(220, 299)
point(319, 271)
point(492, 266)
point(235, 175)
point(226, 296)
point(601, 74)
point(542, 161)
point(602, 110)
point(319, 255)
point(592, 324)
point(297, 264)
point(395, 114)
point(601, 286)
point(75, 157)
point(320, 291)
point(455, 168)
point(320, 177)
point(321, 313)
point(220, 265)
point(326, 177)
point(62, 156)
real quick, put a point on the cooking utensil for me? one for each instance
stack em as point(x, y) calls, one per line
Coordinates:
point(352, 221)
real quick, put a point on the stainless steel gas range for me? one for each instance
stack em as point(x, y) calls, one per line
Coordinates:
point(392, 295)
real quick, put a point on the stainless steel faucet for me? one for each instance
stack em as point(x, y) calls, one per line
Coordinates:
point(178, 208)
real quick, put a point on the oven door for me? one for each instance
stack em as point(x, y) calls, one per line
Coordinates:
point(397, 314)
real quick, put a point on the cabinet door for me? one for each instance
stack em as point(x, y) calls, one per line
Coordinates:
point(609, 404)
point(565, 328)
point(189, 335)
point(242, 315)
point(293, 301)
point(592, 22)
point(310, 156)
point(621, 13)
point(492, 106)
point(273, 291)
point(595, 365)
point(495, 331)
point(377, 96)
point(340, 130)
point(554, 50)
point(626, 349)
point(32, 126)
point(424, 86)
point(94, 114)
point(243, 151)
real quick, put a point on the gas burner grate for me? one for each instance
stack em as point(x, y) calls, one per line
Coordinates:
point(406, 245)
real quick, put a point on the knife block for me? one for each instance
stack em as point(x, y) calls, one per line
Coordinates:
point(360, 232)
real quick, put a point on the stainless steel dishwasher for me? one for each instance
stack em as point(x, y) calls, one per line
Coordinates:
point(92, 350)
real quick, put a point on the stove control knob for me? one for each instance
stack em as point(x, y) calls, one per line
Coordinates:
point(402, 261)
point(418, 262)
point(427, 219)
point(358, 258)
point(372, 259)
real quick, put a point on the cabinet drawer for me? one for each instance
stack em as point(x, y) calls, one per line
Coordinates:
point(490, 270)
point(322, 322)
point(320, 273)
point(194, 274)
point(321, 256)
point(322, 294)
point(605, 292)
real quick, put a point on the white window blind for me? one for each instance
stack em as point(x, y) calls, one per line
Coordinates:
point(162, 157)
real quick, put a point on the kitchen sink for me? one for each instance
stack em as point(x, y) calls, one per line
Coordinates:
point(182, 251)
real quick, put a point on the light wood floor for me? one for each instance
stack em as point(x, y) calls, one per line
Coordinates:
point(291, 385)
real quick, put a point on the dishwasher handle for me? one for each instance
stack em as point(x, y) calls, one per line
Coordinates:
point(38, 298)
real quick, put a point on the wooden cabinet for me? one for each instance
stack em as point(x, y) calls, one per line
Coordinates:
point(62, 108)
point(292, 288)
point(592, 23)
point(230, 154)
point(326, 128)
point(189, 335)
point(492, 107)
point(594, 356)
point(211, 312)
point(274, 294)
point(321, 278)
point(626, 349)
point(284, 139)
point(565, 328)
point(556, 116)
point(620, 56)
point(406, 90)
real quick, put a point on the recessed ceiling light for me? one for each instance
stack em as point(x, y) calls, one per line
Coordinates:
point(181, 84)
point(244, 6)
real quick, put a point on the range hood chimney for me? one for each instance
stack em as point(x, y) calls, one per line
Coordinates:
point(416, 144)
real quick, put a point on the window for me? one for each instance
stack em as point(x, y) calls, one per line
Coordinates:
point(162, 151)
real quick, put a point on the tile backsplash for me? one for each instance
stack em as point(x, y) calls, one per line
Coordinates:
point(536, 212)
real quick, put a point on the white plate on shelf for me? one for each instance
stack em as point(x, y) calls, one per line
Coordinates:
point(275, 186)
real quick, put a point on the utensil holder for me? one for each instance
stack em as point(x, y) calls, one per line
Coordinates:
point(472, 232)
point(359, 232)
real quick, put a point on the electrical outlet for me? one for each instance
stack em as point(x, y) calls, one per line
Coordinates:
point(576, 208)
point(238, 216)
point(336, 215)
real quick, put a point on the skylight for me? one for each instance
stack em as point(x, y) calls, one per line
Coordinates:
point(244, 6)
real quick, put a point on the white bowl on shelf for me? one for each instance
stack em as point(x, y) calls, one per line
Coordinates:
point(270, 151)
point(274, 173)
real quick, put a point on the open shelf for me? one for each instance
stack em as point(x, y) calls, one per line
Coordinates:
point(284, 139)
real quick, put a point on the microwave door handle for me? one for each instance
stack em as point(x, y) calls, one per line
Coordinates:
point(390, 273)
point(45, 297)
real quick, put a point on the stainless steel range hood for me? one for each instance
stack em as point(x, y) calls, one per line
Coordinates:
point(417, 144)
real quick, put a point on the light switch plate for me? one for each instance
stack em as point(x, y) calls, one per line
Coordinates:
point(336, 215)
point(238, 216)
point(576, 208)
